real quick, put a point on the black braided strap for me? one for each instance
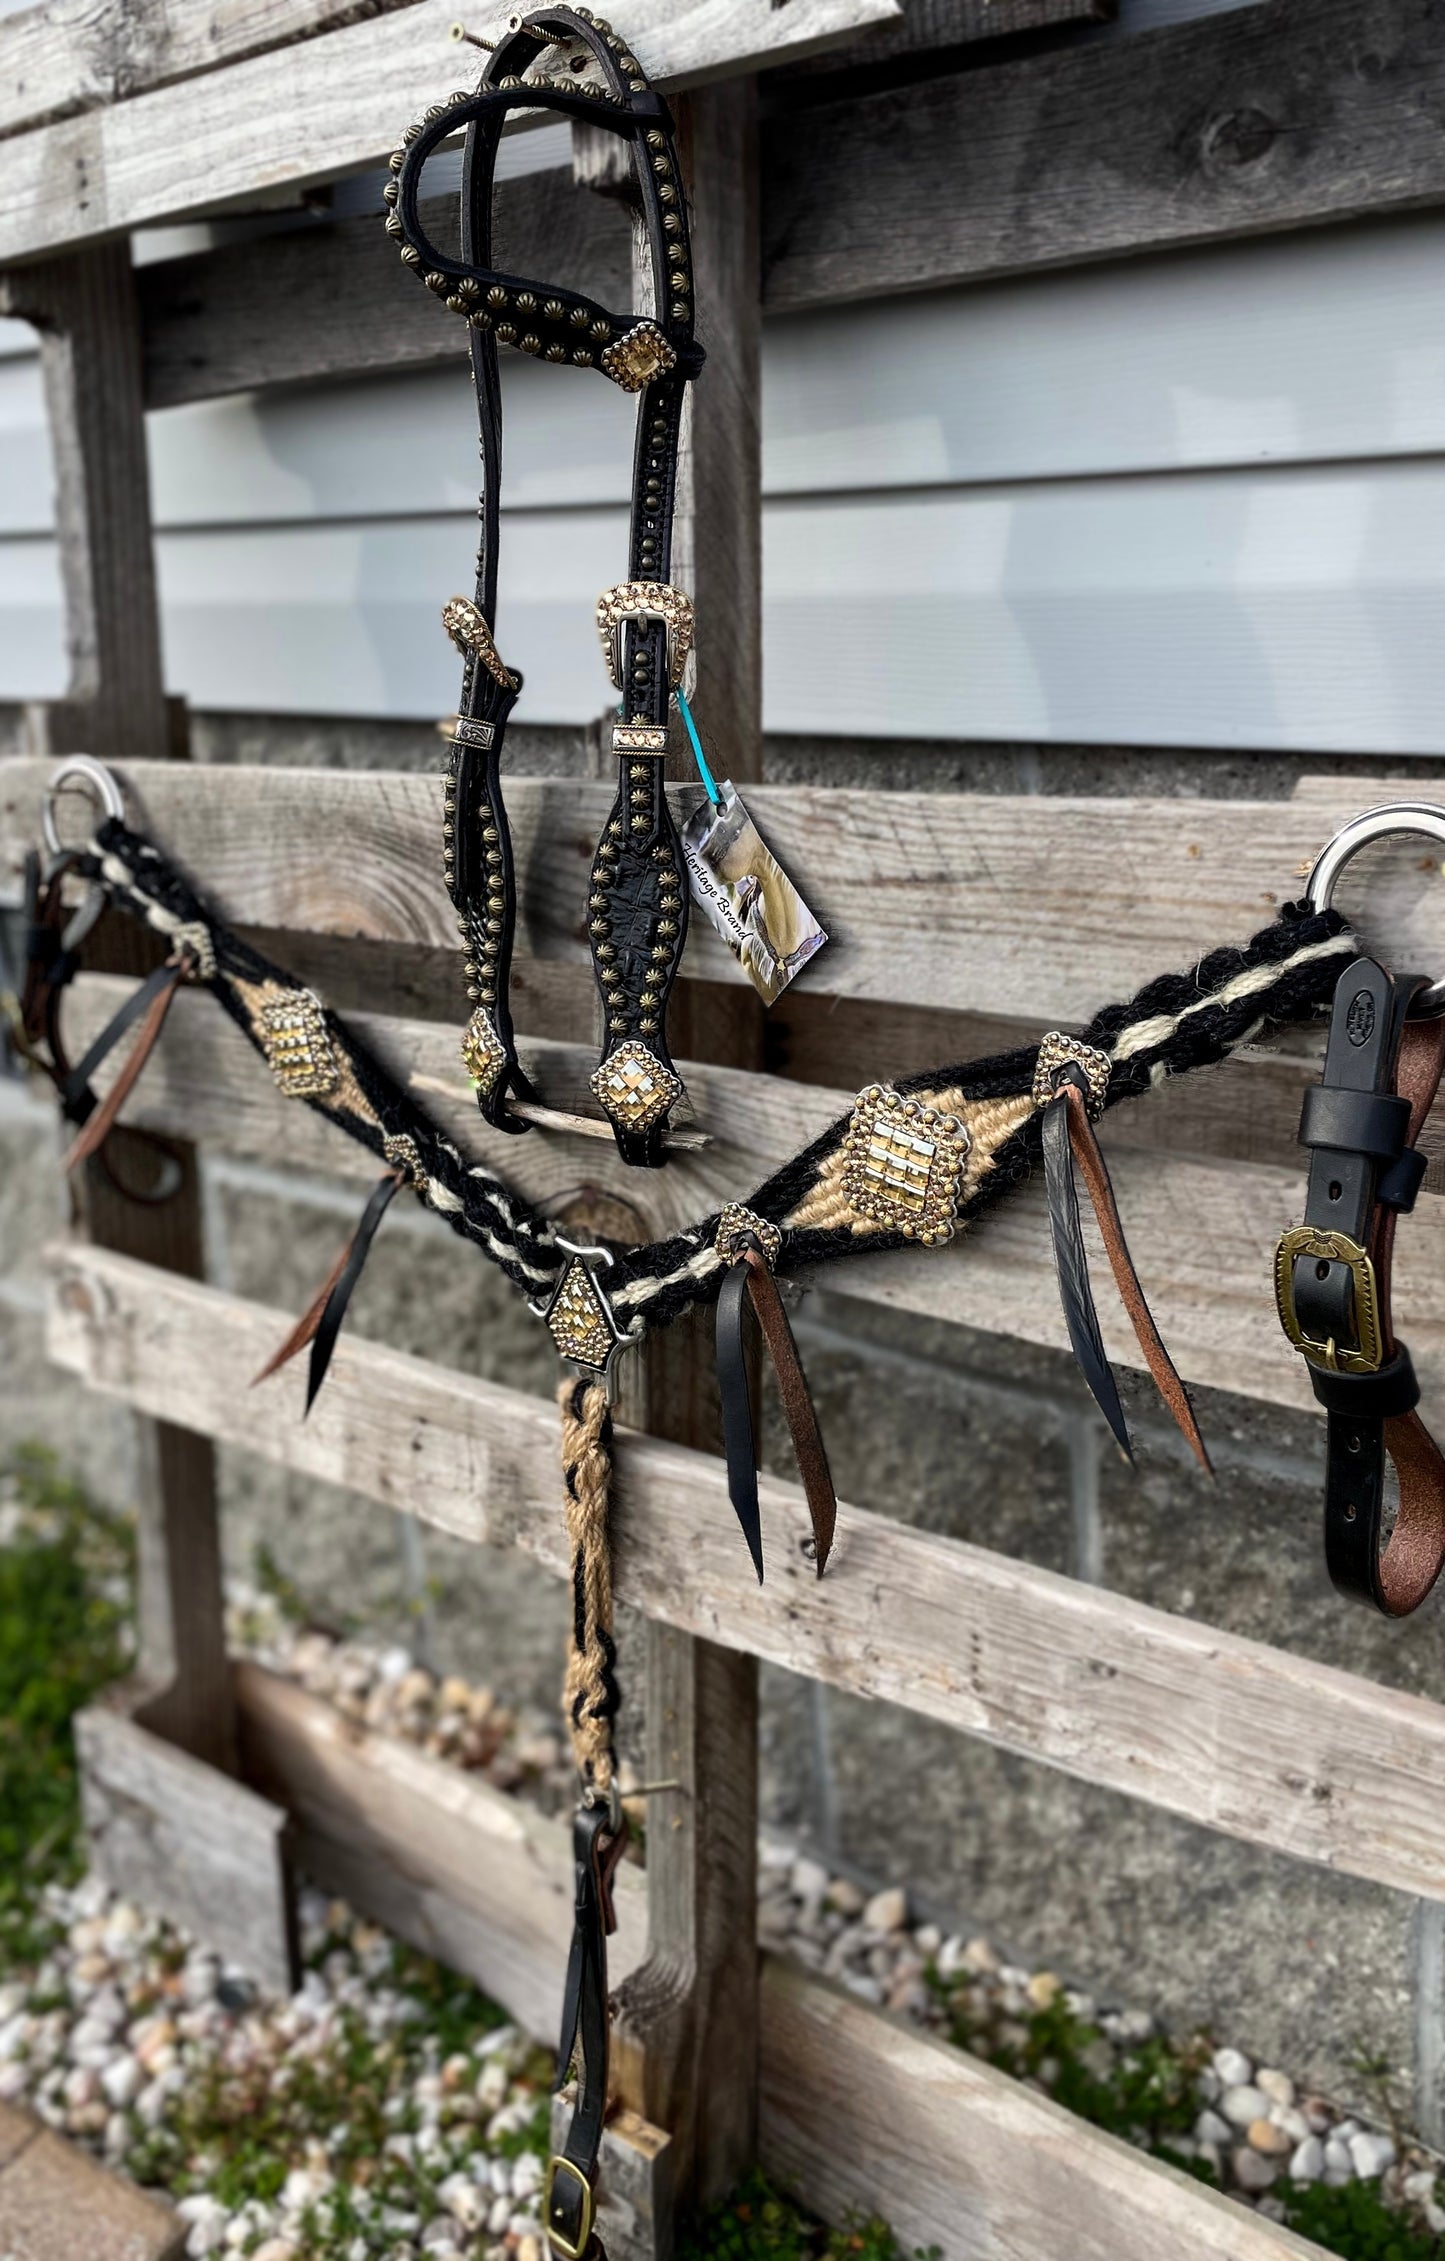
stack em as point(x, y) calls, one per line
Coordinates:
point(1286, 973)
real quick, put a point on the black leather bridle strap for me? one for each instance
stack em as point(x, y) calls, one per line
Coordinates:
point(599, 1836)
point(637, 906)
point(1361, 1123)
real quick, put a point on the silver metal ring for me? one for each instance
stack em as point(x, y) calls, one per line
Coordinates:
point(79, 768)
point(1393, 817)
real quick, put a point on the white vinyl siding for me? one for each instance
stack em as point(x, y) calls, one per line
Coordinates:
point(1193, 501)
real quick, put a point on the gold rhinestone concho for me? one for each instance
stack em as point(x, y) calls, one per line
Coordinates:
point(293, 1035)
point(401, 1150)
point(903, 1164)
point(639, 355)
point(463, 622)
point(580, 1320)
point(733, 1227)
point(633, 1087)
point(643, 601)
point(1057, 1052)
point(484, 1055)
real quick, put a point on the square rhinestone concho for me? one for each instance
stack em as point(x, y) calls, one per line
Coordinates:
point(633, 1087)
point(903, 1164)
point(293, 1035)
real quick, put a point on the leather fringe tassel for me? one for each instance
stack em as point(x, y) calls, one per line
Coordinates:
point(320, 1322)
point(152, 1000)
point(750, 1276)
point(1068, 1140)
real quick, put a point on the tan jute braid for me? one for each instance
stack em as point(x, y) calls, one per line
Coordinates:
point(590, 1689)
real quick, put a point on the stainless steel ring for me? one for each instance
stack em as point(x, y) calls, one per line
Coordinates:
point(1378, 824)
point(78, 768)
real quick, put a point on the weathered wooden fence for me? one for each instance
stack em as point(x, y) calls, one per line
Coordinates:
point(210, 1779)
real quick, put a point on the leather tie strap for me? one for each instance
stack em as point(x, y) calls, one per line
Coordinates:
point(750, 1277)
point(149, 1004)
point(1333, 1279)
point(1069, 1141)
point(320, 1322)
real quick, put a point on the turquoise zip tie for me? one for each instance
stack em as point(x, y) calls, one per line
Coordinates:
point(709, 783)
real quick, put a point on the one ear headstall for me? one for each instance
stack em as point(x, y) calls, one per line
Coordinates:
point(570, 61)
point(1360, 1123)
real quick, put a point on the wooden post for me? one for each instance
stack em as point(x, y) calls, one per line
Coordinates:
point(84, 307)
point(688, 2019)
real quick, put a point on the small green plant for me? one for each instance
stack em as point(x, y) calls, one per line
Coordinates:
point(756, 2224)
point(1355, 2221)
point(65, 1630)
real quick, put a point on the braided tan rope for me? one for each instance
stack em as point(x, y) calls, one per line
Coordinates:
point(590, 1689)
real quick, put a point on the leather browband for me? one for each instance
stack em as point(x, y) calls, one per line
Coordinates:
point(1333, 1278)
point(638, 895)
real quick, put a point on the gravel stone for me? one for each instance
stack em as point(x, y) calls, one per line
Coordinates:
point(1242, 2105)
point(1251, 2172)
point(1307, 2161)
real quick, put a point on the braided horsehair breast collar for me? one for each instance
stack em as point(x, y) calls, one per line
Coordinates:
point(910, 1163)
point(638, 898)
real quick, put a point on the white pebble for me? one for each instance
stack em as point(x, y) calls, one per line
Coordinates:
point(1210, 2128)
point(500, 2215)
point(122, 2081)
point(1277, 2086)
point(1370, 2155)
point(808, 1882)
point(1339, 2166)
point(1233, 2067)
point(1243, 2104)
point(1307, 2163)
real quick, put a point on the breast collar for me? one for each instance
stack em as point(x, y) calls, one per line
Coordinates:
point(638, 896)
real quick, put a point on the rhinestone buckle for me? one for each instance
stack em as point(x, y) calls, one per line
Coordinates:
point(903, 1162)
point(641, 602)
point(1057, 1052)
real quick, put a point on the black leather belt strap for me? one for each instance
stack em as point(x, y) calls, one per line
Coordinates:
point(599, 1835)
point(1332, 1279)
point(568, 60)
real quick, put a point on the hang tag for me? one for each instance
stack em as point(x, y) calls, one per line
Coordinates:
point(742, 889)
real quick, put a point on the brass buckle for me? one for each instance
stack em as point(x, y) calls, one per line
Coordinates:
point(1330, 1248)
point(557, 2165)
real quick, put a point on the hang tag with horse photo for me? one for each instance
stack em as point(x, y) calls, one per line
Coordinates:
point(742, 889)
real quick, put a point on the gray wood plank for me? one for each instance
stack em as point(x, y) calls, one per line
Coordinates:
point(1281, 115)
point(334, 104)
point(69, 55)
point(1265, 1746)
point(858, 2109)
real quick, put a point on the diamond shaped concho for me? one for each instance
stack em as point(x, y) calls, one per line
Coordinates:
point(484, 1055)
point(579, 1321)
point(903, 1162)
point(633, 1086)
